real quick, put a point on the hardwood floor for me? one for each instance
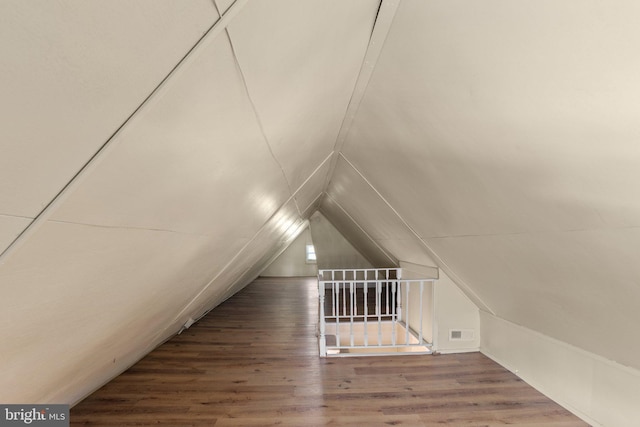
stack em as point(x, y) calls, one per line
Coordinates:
point(253, 361)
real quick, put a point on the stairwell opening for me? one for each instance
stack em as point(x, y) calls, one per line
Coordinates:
point(374, 312)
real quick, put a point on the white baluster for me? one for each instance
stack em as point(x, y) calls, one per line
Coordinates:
point(421, 294)
point(406, 314)
point(365, 292)
point(379, 309)
point(394, 318)
point(351, 339)
point(336, 290)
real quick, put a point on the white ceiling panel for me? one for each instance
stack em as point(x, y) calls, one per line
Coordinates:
point(368, 209)
point(300, 66)
point(96, 295)
point(375, 216)
point(355, 235)
point(71, 73)
point(10, 228)
point(194, 161)
point(501, 120)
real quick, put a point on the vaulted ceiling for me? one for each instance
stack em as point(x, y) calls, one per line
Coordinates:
point(157, 154)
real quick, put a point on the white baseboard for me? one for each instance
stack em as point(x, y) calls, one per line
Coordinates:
point(458, 350)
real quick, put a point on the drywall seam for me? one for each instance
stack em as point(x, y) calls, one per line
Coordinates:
point(391, 258)
point(118, 227)
point(15, 216)
point(257, 116)
point(439, 261)
point(534, 232)
point(381, 26)
point(207, 38)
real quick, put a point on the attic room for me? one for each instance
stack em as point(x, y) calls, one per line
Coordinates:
point(158, 156)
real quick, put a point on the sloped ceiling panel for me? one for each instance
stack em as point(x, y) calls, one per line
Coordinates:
point(184, 187)
point(194, 162)
point(10, 228)
point(510, 132)
point(312, 188)
point(355, 235)
point(71, 74)
point(300, 60)
point(333, 250)
point(81, 302)
point(371, 213)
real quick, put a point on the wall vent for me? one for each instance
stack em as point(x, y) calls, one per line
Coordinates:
point(462, 335)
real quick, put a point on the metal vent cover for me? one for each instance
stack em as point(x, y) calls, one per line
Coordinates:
point(462, 334)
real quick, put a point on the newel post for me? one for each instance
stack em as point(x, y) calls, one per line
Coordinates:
point(322, 339)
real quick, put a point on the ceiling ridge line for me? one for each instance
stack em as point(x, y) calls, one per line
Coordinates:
point(381, 27)
point(390, 257)
point(316, 202)
point(257, 116)
point(111, 142)
point(456, 279)
point(308, 179)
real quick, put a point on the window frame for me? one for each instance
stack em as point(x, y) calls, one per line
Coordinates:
point(310, 256)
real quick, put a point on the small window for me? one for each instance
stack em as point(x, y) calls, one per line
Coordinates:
point(311, 254)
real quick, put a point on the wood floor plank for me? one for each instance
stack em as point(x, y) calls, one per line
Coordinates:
point(253, 361)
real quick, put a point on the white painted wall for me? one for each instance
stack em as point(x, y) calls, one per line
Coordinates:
point(600, 391)
point(292, 262)
point(454, 310)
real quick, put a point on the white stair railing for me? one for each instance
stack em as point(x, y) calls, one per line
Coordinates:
point(352, 321)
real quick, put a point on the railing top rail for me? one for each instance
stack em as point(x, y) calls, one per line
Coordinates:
point(359, 274)
point(366, 274)
point(360, 269)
